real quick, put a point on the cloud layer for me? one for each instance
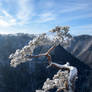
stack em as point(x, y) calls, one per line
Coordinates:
point(28, 15)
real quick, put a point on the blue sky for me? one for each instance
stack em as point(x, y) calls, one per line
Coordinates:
point(38, 16)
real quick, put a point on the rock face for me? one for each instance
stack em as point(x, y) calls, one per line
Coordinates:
point(81, 47)
point(57, 84)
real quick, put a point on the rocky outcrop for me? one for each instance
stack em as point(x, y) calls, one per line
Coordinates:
point(58, 83)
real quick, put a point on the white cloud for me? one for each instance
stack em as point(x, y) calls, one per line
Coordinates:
point(25, 11)
point(46, 17)
point(82, 16)
point(47, 14)
point(82, 29)
point(85, 26)
point(6, 13)
point(6, 20)
point(23, 14)
point(4, 23)
point(74, 7)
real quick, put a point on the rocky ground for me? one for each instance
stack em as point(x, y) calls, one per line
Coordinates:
point(57, 84)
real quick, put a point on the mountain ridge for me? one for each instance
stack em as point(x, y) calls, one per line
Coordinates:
point(81, 47)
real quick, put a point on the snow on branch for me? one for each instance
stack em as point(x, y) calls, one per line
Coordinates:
point(58, 35)
point(63, 80)
point(72, 70)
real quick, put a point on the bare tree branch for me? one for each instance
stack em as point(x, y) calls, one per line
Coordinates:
point(47, 54)
point(53, 47)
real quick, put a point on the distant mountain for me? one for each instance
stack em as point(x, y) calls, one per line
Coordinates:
point(29, 76)
point(81, 47)
point(11, 79)
point(9, 43)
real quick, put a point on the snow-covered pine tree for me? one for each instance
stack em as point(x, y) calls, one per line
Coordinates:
point(58, 35)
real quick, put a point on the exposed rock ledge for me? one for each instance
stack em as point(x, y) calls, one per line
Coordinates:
point(59, 83)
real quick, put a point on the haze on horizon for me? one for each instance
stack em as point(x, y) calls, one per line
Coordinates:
point(39, 16)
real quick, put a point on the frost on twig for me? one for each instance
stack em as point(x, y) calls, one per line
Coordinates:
point(58, 35)
point(63, 80)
